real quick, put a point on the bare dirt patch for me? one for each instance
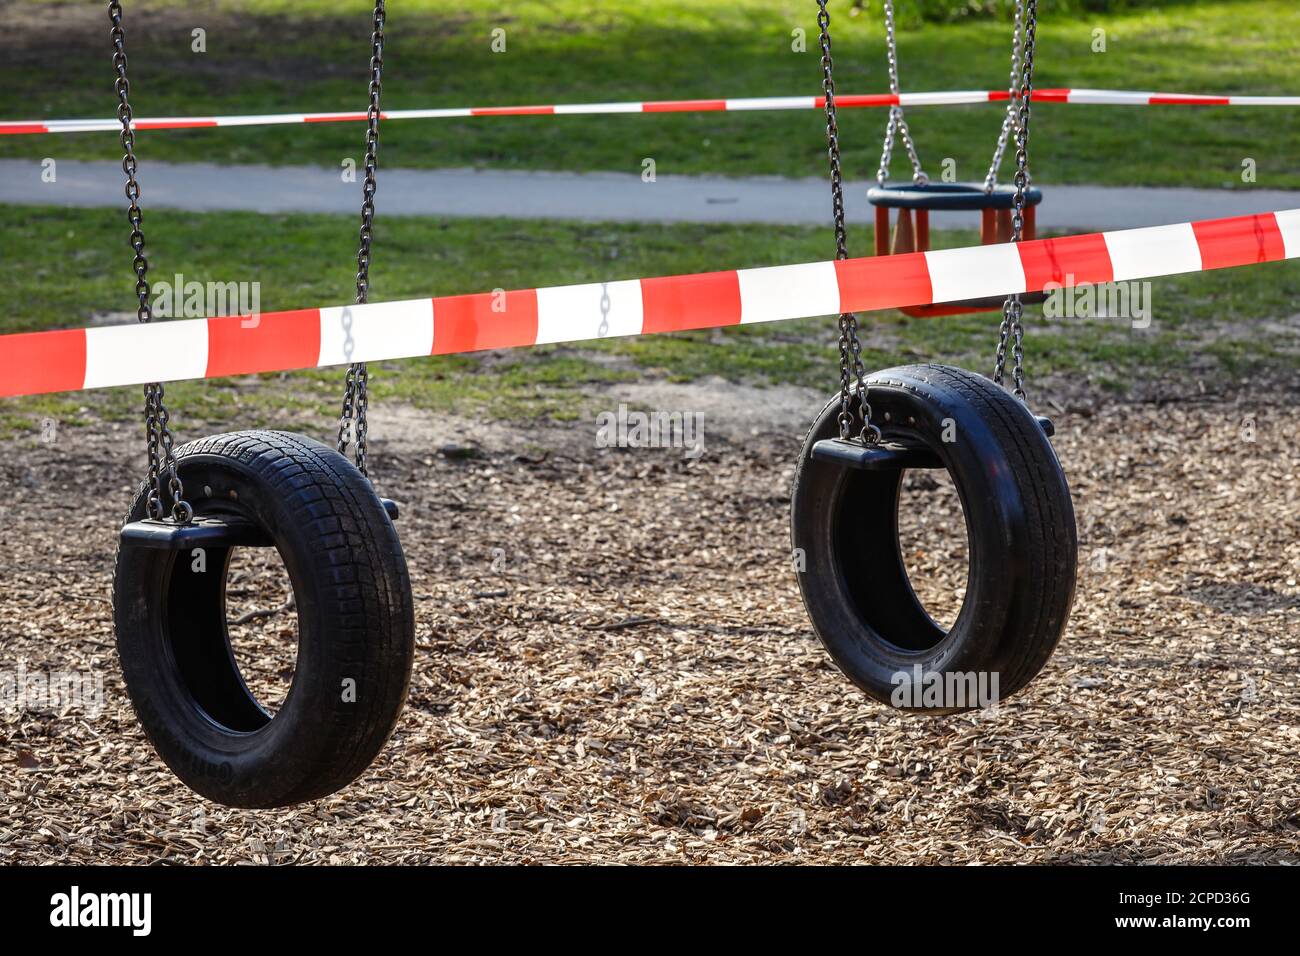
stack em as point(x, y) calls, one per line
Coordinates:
point(614, 664)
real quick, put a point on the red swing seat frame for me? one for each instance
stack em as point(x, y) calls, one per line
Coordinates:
point(910, 229)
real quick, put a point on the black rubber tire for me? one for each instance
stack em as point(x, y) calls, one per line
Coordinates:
point(1022, 541)
point(355, 623)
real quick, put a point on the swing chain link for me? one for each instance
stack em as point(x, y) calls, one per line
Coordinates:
point(157, 420)
point(356, 389)
point(1013, 309)
point(897, 123)
point(851, 367)
point(1013, 105)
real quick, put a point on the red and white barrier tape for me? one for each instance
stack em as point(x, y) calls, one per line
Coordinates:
point(38, 362)
point(949, 98)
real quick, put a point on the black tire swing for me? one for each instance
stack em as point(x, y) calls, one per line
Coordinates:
point(1019, 517)
point(335, 536)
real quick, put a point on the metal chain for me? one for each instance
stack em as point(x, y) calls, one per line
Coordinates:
point(158, 436)
point(851, 368)
point(1008, 121)
point(356, 388)
point(1013, 309)
point(897, 124)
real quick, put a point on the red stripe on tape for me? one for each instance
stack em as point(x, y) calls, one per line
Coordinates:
point(7, 128)
point(1190, 101)
point(38, 362)
point(512, 111)
point(337, 118)
point(884, 282)
point(1066, 262)
point(486, 320)
point(683, 106)
point(860, 99)
point(1041, 96)
point(270, 342)
point(677, 303)
point(1239, 241)
point(173, 124)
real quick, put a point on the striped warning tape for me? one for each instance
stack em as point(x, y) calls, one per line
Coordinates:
point(948, 98)
point(38, 362)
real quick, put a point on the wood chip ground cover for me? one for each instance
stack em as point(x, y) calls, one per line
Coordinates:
point(614, 666)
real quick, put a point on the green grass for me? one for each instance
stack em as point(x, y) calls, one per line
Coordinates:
point(64, 267)
point(273, 55)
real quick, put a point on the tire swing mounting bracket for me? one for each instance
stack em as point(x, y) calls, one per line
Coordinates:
point(889, 456)
point(208, 531)
point(885, 456)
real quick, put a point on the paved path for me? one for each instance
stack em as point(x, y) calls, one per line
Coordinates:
point(590, 196)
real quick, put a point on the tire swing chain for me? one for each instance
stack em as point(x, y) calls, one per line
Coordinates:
point(158, 436)
point(897, 123)
point(356, 387)
point(1013, 88)
point(851, 367)
point(1012, 329)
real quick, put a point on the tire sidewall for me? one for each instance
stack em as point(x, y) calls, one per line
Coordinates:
point(251, 768)
point(984, 638)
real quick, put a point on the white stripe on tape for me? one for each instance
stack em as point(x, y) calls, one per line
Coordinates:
point(1264, 100)
point(79, 124)
point(1288, 221)
point(157, 352)
point(1154, 251)
point(781, 292)
point(1111, 97)
point(943, 99)
point(82, 126)
point(599, 108)
point(571, 313)
point(258, 120)
point(975, 273)
point(773, 103)
point(381, 330)
point(428, 114)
